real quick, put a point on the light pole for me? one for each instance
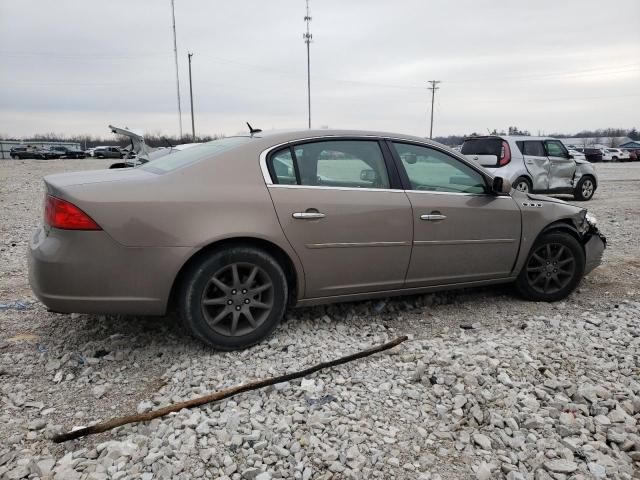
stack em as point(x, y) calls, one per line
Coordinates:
point(193, 124)
point(175, 55)
point(307, 39)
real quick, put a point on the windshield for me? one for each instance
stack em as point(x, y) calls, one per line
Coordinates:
point(184, 157)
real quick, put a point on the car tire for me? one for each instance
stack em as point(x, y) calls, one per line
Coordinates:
point(553, 269)
point(585, 189)
point(233, 298)
point(522, 184)
point(614, 159)
point(100, 156)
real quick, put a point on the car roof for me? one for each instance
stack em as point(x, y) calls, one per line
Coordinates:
point(301, 134)
point(514, 137)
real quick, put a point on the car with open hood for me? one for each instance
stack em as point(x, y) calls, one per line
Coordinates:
point(232, 232)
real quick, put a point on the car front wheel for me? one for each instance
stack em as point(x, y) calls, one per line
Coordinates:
point(585, 189)
point(522, 184)
point(233, 298)
point(553, 269)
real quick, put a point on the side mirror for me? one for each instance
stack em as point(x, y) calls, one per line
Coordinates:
point(368, 175)
point(501, 186)
point(410, 158)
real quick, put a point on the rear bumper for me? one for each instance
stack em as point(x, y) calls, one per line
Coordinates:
point(594, 250)
point(89, 272)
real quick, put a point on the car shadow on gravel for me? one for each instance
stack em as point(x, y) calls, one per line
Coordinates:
point(106, 333)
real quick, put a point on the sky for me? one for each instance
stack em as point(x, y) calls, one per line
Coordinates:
point(74, 67)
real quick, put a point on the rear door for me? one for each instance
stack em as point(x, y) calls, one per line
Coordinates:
point(336, 203)
point(563, 168)
point(536, 162)
point(461, 233)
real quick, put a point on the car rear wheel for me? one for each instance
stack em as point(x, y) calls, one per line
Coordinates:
point(553, 269)
point(233, 298)
point(522, 184)
point(585, 189)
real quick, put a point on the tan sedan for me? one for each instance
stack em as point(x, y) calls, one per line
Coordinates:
point(232, 232)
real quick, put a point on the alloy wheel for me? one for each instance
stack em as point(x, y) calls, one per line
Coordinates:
point(522, 186)
point(238, 299)
point(587, 188)
point(551, 268)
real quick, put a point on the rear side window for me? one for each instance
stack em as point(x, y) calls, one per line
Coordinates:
point(482, 146)
point(282, 167)
point(332, 163)
point(533, 148)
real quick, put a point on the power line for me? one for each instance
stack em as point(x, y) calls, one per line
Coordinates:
point(307, 39)
point(433, 89)
point(175, 56)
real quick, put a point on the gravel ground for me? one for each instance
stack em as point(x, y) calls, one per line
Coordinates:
point(487, 387)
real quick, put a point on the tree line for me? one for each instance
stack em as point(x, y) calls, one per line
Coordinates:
point(603, 133)
point(159, 140)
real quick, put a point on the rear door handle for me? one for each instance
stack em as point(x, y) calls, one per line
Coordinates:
point(308, 215)
point(433, 217)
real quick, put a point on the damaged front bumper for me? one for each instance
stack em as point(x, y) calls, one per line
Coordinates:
point(593, 248)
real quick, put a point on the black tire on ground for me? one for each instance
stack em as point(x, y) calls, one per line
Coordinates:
point(585, 189)
point(614, 159)
point(244, 286)
point(522, 184)
point(553, 269)
point(99, 156)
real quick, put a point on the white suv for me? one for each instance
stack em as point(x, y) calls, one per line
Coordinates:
point(533, 164)
point(614, 154)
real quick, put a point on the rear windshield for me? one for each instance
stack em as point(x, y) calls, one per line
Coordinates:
point(482, 146)
point(193, 154)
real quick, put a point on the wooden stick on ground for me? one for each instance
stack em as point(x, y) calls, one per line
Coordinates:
point(222, 394)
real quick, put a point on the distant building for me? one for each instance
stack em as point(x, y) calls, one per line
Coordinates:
point(7, 145)
point(631, 145)
point(595, 141)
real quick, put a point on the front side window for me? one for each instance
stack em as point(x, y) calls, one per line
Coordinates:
point(556, 149)
point(433, 171)
point(332, 163)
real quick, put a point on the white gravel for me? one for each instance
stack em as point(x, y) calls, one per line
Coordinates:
point(524, 391)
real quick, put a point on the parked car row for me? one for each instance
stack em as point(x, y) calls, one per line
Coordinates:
point(604, 154)
point(45, 153)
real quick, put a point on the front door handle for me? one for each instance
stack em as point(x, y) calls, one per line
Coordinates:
point(433, 217)
point(308, 215)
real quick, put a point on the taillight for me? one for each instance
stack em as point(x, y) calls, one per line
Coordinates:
point(61, 214)
point(505, 154)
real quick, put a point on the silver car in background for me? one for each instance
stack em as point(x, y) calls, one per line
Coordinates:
point(533, 164)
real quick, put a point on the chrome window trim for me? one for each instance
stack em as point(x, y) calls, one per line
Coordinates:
point(326, 187)
point(269, 182)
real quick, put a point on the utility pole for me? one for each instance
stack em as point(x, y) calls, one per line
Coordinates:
point(307, 39)
point(193, 123)
point(175, 55)
point(433, 89)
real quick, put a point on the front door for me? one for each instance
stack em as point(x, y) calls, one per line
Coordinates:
point(537, 163)
point(563, 168)
point(350, 229)
point(461, 233)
